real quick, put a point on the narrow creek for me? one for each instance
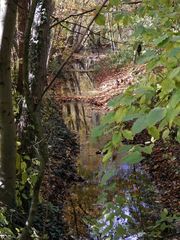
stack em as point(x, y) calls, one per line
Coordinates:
point(131, 182)
point(129, 191)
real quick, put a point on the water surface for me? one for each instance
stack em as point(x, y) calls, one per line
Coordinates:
point(129, 182)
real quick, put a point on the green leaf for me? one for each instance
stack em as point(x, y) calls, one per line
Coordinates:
point(32, 179)
point(132, 157)
point(178, 136)
point(167, 86)
point(154, 132)
point(115, 101)
point(18, 161)
point(165, 134)
point(24, 178)
point(127, 134)
point(120, 114)
point(18, 144)
point(23, 166)
point(3, 220)
point(125, 148)
point(26, 157)
point(116, 139)
point(108, 118)
point(127, 100)
point(175, 99)
point(164, 213)
point(131, 116)
point(100, 20)
point(110, 216)
point(107, 156)
point(148, 149)
point(123, 100)
point(144, 90)
point(172, 113)
point(174, 73)
point(155, 115)
point(139, 125)
point(161, 40)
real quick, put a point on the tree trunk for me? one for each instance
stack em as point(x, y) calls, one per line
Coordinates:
point(35, 65)
point(7, 127)
point(22, 18)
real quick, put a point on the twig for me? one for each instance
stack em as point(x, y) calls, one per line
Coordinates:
point(131, 3)
point(71, 15)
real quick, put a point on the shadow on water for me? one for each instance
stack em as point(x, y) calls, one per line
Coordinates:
point(128, 192)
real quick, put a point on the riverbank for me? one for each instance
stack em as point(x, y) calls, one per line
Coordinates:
point(108, 83)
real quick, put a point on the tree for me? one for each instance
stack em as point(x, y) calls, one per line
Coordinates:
point(7, 127)
point(35, 64)
point(22, 18)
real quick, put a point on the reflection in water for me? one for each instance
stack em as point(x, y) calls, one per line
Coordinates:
point(131, 186)
point(76, 81)
point(78, 119)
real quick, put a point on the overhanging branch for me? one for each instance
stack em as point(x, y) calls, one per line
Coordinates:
point(72, 15)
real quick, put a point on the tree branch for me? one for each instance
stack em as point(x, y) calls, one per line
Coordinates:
point(130, 3)
point(72, 15)
point(71, 54)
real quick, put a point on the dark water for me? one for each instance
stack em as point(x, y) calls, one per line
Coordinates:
point(129, 181)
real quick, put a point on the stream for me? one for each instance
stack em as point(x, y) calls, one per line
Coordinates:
point(131, 182)
point(113, 200)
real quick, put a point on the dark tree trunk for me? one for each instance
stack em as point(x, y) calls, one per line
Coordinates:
point(7, 127)
point(36, 67)
point(22, 19)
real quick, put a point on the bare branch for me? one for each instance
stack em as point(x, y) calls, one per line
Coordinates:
point(72, 15)
point(71, 54)
point(129, 3)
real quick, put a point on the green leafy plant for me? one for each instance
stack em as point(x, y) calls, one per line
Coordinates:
point(151, 107)
point(153, 103)
point(164, 225)
point(5, 231)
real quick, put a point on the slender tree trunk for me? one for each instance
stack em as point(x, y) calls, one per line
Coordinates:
point(22, 18)
point(7, 127)
point(35, 63)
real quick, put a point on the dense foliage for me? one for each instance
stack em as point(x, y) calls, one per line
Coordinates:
point(149, 109)
point(152, 103)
